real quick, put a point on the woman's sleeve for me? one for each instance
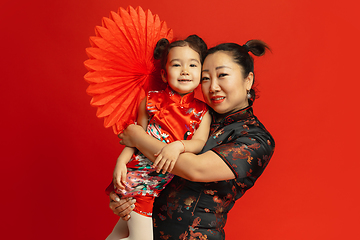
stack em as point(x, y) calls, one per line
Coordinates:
point(247, 156)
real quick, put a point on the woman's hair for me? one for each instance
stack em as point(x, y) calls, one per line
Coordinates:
point(242, 57)
point(163, 47)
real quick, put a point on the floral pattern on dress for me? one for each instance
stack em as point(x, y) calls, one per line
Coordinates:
point(194, 210)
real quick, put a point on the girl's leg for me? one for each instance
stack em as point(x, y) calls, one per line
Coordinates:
point(120, 231)
point(140, 227)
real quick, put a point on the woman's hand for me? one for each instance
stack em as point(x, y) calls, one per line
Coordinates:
point(130, 135)
point(121, 207)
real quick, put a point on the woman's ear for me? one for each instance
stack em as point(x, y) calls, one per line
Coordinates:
point(249, 80)
point(163, 75)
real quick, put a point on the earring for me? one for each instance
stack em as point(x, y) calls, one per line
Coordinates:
point(248, 95)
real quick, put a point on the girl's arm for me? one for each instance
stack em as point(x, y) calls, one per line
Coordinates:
point(119, 175)
point(201, 135)
point(143, 116)
point(205, 167)
point(168, 155)
point(120, 170)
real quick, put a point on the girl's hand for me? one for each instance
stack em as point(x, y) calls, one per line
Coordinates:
point(167, 157)
point(119, 176)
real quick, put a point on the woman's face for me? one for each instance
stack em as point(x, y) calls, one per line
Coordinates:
point(223, 85)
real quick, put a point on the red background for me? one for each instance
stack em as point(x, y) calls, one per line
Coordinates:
point(57, 157)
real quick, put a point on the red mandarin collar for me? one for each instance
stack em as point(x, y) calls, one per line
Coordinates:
point(176, 98)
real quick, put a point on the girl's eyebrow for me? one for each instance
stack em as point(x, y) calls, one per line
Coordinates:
point(176, 59)
point(194, 59)
point(172, 60)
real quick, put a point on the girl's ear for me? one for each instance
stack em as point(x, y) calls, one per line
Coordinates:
point(163, 75)
point(249, 80)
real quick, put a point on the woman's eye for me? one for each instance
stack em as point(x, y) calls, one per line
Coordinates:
point(205, 78)
point(222, 75)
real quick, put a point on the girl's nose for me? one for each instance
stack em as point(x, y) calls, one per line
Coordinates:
point(184, 72)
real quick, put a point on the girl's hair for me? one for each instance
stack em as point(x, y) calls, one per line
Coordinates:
point(163, 47)
point(242, 57)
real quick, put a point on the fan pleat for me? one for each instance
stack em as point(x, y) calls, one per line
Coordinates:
point(121, 67)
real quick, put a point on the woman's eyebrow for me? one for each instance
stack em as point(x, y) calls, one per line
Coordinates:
point(217, 68)
point(220, 67)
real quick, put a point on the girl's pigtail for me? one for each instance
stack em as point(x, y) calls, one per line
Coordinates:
point(201, 47)
point(160, 47)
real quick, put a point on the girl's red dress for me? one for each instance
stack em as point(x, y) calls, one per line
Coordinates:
point(172, 117)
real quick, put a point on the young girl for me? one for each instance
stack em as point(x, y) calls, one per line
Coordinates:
point(172, 116)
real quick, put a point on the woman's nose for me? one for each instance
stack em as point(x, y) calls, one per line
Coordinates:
point(214, 86)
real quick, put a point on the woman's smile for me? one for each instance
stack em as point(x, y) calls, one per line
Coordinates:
point(217, 99)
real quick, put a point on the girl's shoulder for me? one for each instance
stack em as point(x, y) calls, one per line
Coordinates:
point(200, 104)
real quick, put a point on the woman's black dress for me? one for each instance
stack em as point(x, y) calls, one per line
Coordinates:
point(196, 210)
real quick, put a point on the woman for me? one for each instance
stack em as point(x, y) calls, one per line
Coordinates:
point(195, 203)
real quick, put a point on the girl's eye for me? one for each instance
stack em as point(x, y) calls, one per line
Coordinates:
point(176, 65)
point(193, 65)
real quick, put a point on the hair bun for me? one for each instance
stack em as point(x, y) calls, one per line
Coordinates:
point(160, 47)
point(256, 47)
point(198, 41)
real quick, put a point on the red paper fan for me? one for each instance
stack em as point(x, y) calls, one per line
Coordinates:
point(121, 65)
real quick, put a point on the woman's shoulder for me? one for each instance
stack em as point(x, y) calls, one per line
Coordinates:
point(261, 130)
point(252, 136)
point(247, 130)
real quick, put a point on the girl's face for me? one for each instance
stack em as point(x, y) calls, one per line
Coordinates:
point(183, 69)
point(223, 85)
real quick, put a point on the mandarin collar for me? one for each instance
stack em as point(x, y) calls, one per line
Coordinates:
point(237, 116)
point(175, 97)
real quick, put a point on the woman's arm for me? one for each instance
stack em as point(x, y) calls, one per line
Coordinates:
point(206, 167)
